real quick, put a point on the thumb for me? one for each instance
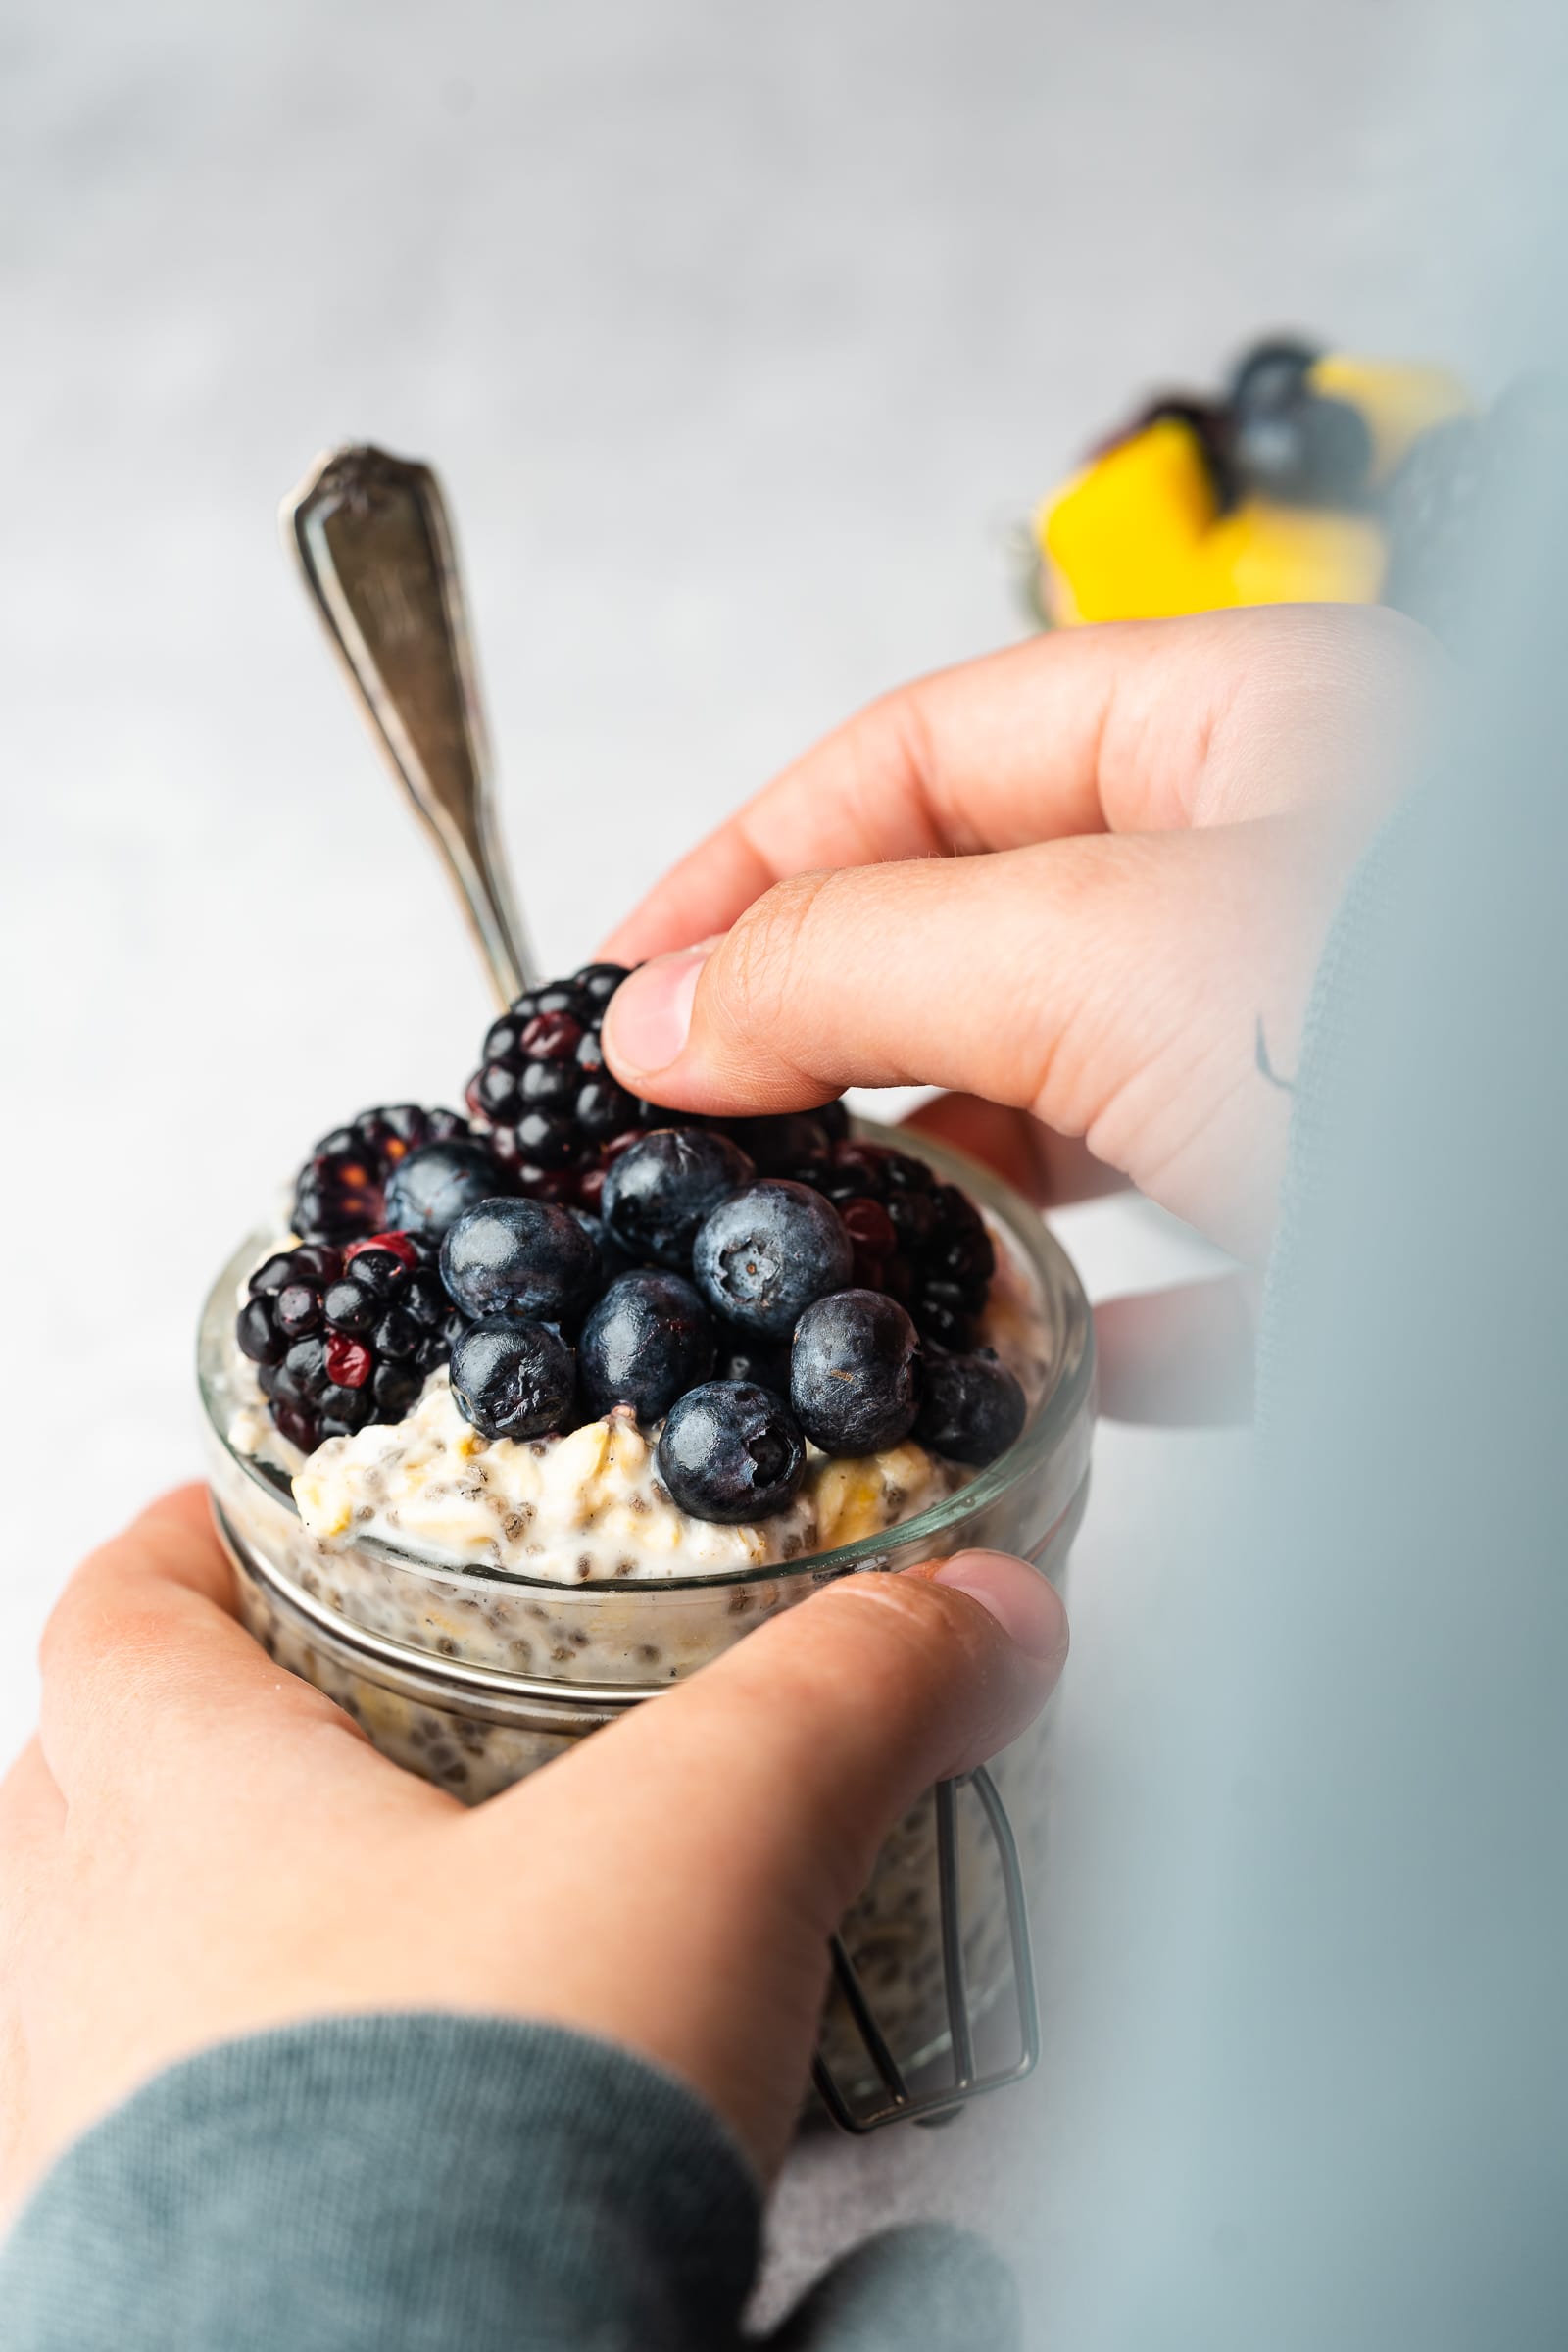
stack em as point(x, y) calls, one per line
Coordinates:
point(830, 1719)
point(739, 1814)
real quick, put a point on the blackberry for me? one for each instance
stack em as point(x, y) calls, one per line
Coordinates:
point(921, 1241)
point(343, 1336)
point(340, 1194)
point(549, 1110)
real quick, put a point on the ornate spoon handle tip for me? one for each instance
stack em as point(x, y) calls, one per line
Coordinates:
point(374, 544)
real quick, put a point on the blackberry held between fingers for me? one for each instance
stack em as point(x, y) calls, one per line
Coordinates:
point(555, 1116)
point(542, 1098)
point(340, 1194)
point(342, 1337)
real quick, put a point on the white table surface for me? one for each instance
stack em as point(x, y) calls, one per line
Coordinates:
point(740, 336)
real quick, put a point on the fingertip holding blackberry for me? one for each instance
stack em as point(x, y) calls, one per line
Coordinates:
point(732, 1452)
point(856, 1372)
point(550, 1112)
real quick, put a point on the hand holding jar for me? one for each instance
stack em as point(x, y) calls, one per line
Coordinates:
point(198, 1846)
point(1084, 883)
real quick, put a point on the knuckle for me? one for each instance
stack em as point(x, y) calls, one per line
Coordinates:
point(760, 954)
point(65, 1638)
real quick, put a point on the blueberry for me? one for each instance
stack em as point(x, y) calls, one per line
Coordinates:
point(430, 1189)
point(512, 1379)
point(661, 1188)
point(1309, 452)
point(763, 1255)
point(1271, 376)
point(732, 1452)
point(973, 1408)
point(646, 1343)
point(855, 1372)
point(519, 1257)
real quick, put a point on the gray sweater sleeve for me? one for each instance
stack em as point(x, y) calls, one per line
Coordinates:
point(441, 2184)
point(434, 2183)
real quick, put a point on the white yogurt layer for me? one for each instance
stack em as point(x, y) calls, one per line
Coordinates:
point(588, 1505)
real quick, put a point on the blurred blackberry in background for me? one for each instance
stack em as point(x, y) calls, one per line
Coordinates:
point(340, 1194)
point(918, 1239)
point(340, 1338)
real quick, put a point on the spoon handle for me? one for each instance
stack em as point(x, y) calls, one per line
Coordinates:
point(376, 547)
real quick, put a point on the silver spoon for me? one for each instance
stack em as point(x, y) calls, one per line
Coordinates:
point(375, 546)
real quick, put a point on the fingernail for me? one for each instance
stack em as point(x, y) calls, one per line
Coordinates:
point(650, 1014)
point(1016, 1595)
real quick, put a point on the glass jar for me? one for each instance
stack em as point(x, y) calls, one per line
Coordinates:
point(475, 1676)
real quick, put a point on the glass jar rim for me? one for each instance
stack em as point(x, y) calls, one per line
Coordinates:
point(1066, 1397)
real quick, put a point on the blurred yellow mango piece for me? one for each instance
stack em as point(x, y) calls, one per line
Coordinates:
point(1123, 537)
point(1136, 536)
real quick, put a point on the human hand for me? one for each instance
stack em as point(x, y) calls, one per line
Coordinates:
point(199, 1846)
point(1082, 879)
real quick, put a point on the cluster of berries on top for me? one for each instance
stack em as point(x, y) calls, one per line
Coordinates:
point(743, 1286)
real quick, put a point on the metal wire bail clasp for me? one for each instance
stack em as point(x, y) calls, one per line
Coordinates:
point(941, 2103)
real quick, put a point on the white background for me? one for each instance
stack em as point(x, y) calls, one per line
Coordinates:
point(741, 336)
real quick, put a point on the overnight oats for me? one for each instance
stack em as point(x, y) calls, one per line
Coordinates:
point(525, 1416)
